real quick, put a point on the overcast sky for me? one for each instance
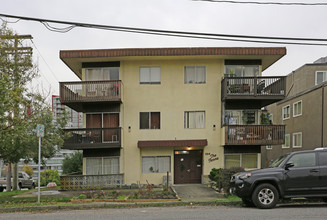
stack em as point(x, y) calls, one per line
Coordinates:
point(179, 15)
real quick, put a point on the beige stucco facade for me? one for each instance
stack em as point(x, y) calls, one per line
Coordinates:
point(172, 97)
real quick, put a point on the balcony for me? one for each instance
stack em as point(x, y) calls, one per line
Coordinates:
point(252, 92)
point(254, 134)
point(77, 95)
point(89, 138)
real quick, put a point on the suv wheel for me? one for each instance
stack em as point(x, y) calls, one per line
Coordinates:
point(265, 196)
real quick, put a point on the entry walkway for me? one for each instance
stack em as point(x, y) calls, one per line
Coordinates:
point(196, 192)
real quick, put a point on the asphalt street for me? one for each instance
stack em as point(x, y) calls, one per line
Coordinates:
point(289, 212)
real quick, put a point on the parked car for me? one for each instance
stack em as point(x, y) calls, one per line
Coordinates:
point(297, 174)
point(24, 181)
point(51, 184)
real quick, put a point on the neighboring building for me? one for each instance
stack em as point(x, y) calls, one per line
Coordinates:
point(303, 111)
point(178, 110)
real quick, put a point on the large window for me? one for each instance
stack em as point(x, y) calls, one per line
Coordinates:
point(99, 74)
point(149, 120)
point(194, 119)
point(297, 139)
point(102, 165)
point(156, 164)
point(247, 161)
point(297, 108)
point(321, 76)
point(242, 70)
point(287, 141)
point(286, 112)
point(195, 74)
point(150, 75)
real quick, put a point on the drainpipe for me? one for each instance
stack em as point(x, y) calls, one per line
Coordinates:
point(322, 115)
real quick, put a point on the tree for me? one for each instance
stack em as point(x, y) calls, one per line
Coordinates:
point(73, 163)
point(28, 169)
point(20, 109)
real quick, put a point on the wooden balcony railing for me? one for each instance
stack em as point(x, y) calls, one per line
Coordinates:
point(90, 91)
point(86, 138)
point(82, 182)
point(254, 134)
point(253, 86)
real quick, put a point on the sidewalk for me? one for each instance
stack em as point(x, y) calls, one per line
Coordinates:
point(196, 193)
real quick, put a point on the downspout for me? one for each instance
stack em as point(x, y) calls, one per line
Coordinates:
point(322, 115)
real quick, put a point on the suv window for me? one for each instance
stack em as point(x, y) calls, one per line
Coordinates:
point(303, 160)
point(323, 158)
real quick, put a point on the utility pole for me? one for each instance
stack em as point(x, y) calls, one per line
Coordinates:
point(16, 51)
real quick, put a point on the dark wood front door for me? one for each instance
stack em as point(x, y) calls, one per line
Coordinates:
point(187, 166)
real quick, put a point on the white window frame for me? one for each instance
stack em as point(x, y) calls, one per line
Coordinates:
point(150, 122)
point(289, 114)
point(324, 76)
point(241, 159)
point(102, 164)
point(294, 136)
point(156, 164)
point(187, 122)
point(196, 73)
point(151, 81)
point(269, 147)
point(101, 70)
point(289, 141)
point(295, 108)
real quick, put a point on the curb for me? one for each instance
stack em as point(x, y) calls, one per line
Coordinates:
point(116, 205)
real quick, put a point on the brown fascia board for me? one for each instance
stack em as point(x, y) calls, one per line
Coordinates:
point(281, 51)
point(173, 143)
point(71, 56)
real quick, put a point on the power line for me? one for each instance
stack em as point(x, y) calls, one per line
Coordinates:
point(267, 3)
point(52, 73)
point(196, 35)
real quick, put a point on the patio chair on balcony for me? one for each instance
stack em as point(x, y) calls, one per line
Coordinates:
point(260, 87)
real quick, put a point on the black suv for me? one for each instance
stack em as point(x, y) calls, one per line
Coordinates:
point(297, 174)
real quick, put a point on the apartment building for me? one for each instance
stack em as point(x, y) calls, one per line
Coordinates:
point(303, 111)
point(181, 111)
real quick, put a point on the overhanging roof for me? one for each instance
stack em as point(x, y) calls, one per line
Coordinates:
point(74, 58)
point(173, 143)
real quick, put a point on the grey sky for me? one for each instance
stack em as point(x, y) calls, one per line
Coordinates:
point(179, 15)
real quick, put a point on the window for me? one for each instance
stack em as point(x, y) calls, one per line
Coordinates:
point(322, 158)
point(242, 70)
point(287, 141)
point(303, 160)
point(150, 75)
point(297, 139)
point(269, 147)
point(102, 165)
point(149, 120)
point(194, 119)
point(195, 74)
point(99, 74)
point(247, 161)
point(156, 164)
point(297, 108)
point(286, 112)
point(321, 76)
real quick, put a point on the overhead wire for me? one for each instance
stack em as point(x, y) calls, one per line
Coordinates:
point(267, 3)
point(197, 35)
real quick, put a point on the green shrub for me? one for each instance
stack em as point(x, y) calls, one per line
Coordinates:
point(221, 177)
point(48, 176)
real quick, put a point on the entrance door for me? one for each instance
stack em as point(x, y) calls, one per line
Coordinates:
point(187, 166)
